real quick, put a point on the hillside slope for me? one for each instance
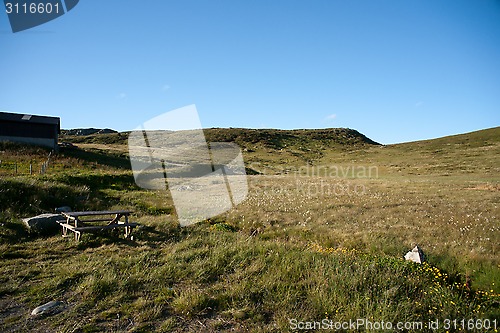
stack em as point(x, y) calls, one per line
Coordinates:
point(272, 151)
point(246, 138)
point(468, 156)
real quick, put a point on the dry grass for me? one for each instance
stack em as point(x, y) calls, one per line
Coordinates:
point(378, 216)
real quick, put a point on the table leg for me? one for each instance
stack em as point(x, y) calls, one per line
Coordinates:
point(116, 219)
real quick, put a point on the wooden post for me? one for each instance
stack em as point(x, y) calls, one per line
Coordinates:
point(31, 168)
point(16, 167)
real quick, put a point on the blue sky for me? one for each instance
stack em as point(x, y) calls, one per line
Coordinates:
point(394, 70)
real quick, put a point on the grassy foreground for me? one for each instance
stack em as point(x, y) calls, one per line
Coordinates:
point(320, 237)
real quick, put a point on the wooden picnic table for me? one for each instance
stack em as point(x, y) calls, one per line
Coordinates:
point(77, 225)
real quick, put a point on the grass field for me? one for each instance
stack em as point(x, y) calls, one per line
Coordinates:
point(321, 236)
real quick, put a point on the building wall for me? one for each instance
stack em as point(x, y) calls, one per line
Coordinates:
point(45, 142)
point(30, 130)
point(36, 133)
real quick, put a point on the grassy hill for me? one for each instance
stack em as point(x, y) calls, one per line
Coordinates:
point(329, 215)
point(272, 151)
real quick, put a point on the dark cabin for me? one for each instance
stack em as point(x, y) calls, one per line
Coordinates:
point(31, 129)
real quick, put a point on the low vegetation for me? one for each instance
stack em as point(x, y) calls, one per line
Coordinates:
point(321, 236)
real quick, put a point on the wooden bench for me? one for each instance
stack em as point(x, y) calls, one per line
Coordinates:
point(75, 224)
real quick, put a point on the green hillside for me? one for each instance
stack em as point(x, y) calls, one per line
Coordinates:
point(276, 151)
point(321, 235)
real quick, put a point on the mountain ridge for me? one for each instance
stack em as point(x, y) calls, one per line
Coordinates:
point(276, 138)
point(252, 135)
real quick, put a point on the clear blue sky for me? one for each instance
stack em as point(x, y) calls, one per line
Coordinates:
point(398, 70)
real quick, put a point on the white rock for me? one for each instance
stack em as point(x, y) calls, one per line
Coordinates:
point(43, 223)
point(415, 255)
point(45, 308)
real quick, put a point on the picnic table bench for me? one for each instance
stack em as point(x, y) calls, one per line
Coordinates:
point(77, 225)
